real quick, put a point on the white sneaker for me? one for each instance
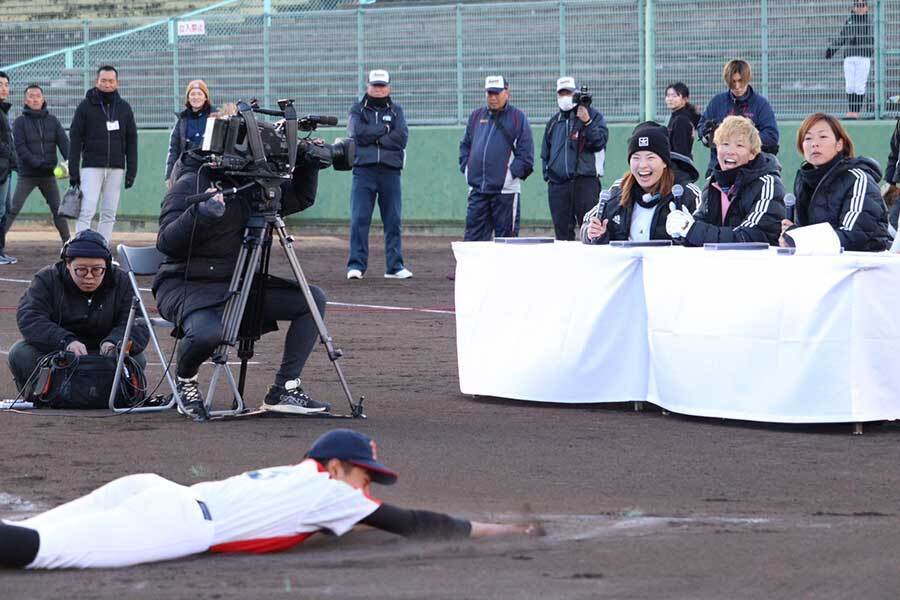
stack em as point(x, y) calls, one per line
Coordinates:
point(403, 273)
point(354, 274)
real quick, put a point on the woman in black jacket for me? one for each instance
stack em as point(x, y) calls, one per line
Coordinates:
point(638, 204)
point(683, 120)
point(188, 130)
point(38, 134)
point(744, 199)
point(835, 187)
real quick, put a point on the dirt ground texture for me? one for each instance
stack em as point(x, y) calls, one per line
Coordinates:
point(636, 504)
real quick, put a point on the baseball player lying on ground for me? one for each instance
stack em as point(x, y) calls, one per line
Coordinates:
point(146, 518)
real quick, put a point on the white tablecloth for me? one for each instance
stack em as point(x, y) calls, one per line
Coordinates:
point(744, 335)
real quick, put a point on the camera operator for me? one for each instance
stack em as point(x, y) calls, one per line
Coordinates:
point(202, 242)
point(572, 139)
point(79, 304)
point(739, 100)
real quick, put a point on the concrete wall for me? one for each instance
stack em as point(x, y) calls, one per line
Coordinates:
point(434, 191)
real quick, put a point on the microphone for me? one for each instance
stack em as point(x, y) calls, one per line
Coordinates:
point(790, 201)
point(678, 192)
point(601, 206)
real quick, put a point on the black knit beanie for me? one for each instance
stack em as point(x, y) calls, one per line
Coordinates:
point(650, 137)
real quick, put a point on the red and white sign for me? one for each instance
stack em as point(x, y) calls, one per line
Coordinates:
point(197, 27)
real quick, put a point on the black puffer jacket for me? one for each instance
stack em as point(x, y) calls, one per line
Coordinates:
point(7, 150)
point(682, 128)
point(54, 312)
point(846, 197)
point(38, 134)
point(756, 210)
point(619, 226)
point(93, 145)
point(201, 248)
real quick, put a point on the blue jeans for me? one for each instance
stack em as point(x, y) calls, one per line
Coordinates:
point(491, 213)
point(369, 183)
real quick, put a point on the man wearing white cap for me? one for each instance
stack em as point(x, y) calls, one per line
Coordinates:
point(495, 154)
point(572, 155)
point(377, 124)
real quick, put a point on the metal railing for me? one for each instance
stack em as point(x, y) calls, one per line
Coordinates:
point(438, 55)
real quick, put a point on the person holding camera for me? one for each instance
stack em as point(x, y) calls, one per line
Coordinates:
point(201, 242)
point(744, 199)
point(740, 100)
point(857, 40)
point(495, 155)
point(189, 128)
point(377, 124)
point(573, 139)
point(80, 305)
point(104, 151)
point(38, 135)
point(639, 202)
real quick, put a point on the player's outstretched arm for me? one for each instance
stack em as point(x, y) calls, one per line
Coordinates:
point(424, 524)
point(480, 530)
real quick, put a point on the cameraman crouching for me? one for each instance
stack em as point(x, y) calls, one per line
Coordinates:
point(79, 304)
point(202, 242)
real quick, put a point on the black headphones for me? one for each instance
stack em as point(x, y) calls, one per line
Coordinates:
point(92, 237)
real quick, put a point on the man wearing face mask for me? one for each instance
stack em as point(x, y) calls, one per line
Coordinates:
point(574, 141)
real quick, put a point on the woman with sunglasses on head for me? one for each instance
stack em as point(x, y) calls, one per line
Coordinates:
point(834, 186)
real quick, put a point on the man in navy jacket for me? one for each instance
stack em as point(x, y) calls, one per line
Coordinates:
point(379, 128)
point(572, 155)
point(740, 100)
point(495, 154)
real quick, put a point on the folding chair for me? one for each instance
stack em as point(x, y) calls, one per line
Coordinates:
point(142, 261)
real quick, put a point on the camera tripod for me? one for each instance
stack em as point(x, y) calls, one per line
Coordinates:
point(252, 265)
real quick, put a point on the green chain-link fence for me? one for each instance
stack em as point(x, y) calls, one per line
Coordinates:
point(627, 52)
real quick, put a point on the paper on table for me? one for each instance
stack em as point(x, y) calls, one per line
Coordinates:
point(819, 240)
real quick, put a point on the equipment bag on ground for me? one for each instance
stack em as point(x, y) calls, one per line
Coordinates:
point(63, 380)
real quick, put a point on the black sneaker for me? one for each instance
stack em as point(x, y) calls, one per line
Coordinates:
point(292, 399)
point(191, 399)
point(6, 259)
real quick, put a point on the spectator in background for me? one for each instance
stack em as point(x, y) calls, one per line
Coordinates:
point(187, 133)
point(377, 124)
point(744, 199)
point(495, 155)
point(683, 121)
point(859, 46)
point(641, 200)
point(572, 140)
point(892, 176)
point(742, 101)
point(38, 134)
point(104, 151)
point(835, 187)
point(7, 164)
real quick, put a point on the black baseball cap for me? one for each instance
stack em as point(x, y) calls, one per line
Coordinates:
point(355, 448)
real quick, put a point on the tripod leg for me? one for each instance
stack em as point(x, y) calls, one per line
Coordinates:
point(287, 243)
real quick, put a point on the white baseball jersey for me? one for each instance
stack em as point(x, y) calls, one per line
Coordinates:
point(275, 508)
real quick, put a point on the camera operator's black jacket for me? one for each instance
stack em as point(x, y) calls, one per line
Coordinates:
point(202, 250)
point(53, 312)
point(380, 132)
point(566, 139)
point(755, 212)
point(846, 197)
point(37, 135)
point(93, 146)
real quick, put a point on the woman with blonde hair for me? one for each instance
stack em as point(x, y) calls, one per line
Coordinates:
point(744, 199)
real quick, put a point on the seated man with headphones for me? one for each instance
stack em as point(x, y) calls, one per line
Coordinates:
point(79, 304)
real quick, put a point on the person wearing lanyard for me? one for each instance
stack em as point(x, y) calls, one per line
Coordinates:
point(103, 151)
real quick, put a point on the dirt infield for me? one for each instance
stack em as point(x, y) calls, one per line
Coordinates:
point(637, 505)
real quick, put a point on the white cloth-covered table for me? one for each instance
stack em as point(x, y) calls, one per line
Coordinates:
point(743, 335)
point(550, 322)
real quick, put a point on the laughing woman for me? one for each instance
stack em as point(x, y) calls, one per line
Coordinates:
point(639, 203)
point(744, 199)
point(832, 186)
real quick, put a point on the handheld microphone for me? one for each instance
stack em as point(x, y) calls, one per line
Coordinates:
point(678, 192)
point(790, 202)
point(601, 206)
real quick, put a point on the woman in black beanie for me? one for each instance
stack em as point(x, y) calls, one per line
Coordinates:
point(637, 205)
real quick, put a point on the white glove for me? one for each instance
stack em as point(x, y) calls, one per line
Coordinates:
point(679, 221)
